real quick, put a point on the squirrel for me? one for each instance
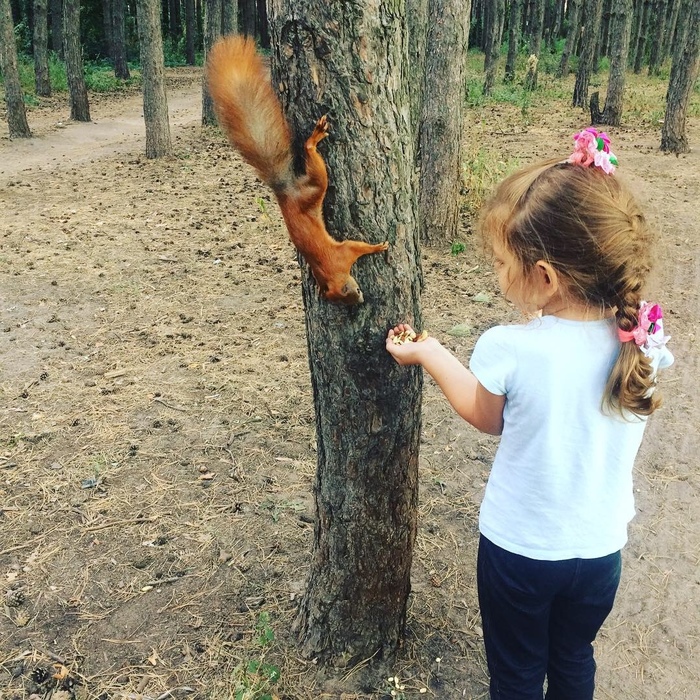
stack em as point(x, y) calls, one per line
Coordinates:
point(251, 115)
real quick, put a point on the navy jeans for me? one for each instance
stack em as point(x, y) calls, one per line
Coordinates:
point(540, 618)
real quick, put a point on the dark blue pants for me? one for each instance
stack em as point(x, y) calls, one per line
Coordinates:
point(540, 618)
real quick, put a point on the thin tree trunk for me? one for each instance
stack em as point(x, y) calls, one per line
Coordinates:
point(621, 23)
point(657, 36)
point(535, 43)
point(79, 107)
point(212, 31)
point(574, 29)
point(190, 32)
point(684, 73)
point(355, 603)
point(516, 7)
point(673, 9)
point(263, 28)
point(41, 48)
point(14, 98)
point(493, 33)
point(107, 28)
point(641, 39)
point(248, 16)
point(121, 66)
point(585, 64)
point(229, 17)
point(57, 27)
point(443, 120)
point(155, 101)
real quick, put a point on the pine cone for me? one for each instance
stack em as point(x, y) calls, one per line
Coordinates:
point(14, 598)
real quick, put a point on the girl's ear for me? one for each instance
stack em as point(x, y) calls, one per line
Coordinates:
point(547, 279)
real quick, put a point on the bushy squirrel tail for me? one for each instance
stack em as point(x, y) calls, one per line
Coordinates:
point(248, 109)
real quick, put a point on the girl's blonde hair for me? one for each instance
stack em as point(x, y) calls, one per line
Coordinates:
point(589, 227)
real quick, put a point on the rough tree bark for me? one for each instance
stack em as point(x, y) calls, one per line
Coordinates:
point(212, 31)
point(684, 73)
point(621, 27)
point(353, 67)
point(657, 36)
point(442, 125)
point(41, 48)
point(535, 43)
point(121, 67)
point(155, 101)
point(641, 36)
point(571, 37)
point(494, 18)
point(14, 99)
point(585, 64)
point(513, 37)
point(79, 107)
point(417, 23)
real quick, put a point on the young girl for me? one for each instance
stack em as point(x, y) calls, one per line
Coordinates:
point(569, 393)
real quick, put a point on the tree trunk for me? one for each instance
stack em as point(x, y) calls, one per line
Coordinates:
point(367, 408)
point(641, 39)
point(585, 64)
point(212, 31)
point(657, 37)
point(155, 101)
point(574, 29)
point(57, 27)
point(248, 16)
point(121, 66)
point(229, 17)
point(621, 23)
point(14, 98)
point(263, 25)
point(41, 48)
point(684, 73)
point(175, 24)
point(535, 43)
point(79, 107)
point(495, 14)
point(107, 28)
point(190, 32)
point(673, 9)
point(513, 36)
point(443, 119)
point(417, 23)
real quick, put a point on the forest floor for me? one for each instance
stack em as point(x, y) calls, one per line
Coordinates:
point(157, 427)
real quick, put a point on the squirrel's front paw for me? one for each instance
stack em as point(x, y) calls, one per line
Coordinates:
point(321, 129)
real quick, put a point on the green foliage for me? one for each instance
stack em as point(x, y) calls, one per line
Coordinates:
point(253, 679)
point(481, 171)
point(457, 248)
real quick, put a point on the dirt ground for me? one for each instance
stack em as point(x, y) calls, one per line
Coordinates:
point(157, 427)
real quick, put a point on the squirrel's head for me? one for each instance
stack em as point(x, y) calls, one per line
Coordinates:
point(348, 292)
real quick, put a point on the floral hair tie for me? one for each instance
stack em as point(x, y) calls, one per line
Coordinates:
point(592, 147)
point(649, 331)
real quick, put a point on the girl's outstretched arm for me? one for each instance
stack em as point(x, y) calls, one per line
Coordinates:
point(462, 389)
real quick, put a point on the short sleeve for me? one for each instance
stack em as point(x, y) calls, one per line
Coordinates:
point(493, 360)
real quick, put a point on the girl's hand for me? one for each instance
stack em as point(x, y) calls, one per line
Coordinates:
point(408, 352)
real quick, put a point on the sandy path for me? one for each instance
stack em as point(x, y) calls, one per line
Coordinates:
point(116, 127)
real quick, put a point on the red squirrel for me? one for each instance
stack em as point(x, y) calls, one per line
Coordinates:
point(251, 115)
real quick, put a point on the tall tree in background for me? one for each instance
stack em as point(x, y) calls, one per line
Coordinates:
point(621, 27)
point(56, 11)
point(642, 31)
point(684, 73)
point(657, 35)
point(594, 9)
point(79, 107)
point(575, 9)
point(417, 21)
point(121, 67)
point(513, 38)
point(155, 101)
point(536, 32)
point(190, 32)
point(353, 66)
point(229, 17)
point(493, 31)
point(41, 48)
point(442, 124)
point(671, 22)
point(212, 31)
point(14, 99)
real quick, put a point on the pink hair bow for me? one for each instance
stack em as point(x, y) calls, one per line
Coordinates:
point(649, 331)
point(592, 147)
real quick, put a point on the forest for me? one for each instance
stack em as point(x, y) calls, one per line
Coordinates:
point(216, 484)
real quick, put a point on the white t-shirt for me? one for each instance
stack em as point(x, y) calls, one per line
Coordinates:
point(561, 483)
